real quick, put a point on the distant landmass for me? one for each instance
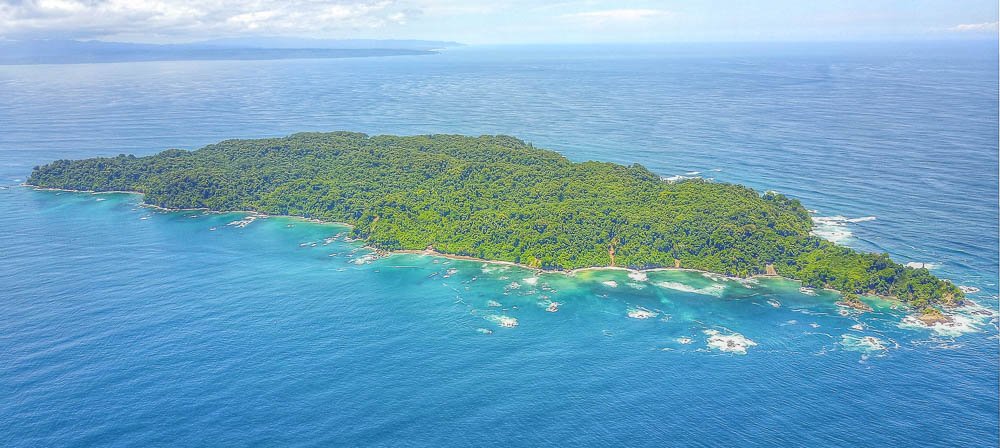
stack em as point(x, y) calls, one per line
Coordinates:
point(499, 198)
point(76, 52)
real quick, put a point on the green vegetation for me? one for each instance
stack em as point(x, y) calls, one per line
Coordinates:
point(498, 198)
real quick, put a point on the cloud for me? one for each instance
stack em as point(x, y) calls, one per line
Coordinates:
point(194, 18)
point(976, 27)
point(612, 16)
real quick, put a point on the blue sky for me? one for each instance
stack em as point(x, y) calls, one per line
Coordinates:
point(501, 21)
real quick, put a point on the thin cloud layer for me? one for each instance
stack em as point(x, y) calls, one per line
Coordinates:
point(497, 21)
point(192, 18)
point(976, 27)
point(619, 15)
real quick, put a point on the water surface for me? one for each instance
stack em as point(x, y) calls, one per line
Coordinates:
point(125, 326)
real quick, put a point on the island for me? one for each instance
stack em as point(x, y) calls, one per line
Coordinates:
point(499, 198)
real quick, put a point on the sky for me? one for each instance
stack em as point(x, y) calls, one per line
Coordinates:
point(501, 21)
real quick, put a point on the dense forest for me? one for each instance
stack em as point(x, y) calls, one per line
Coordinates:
point(499, 198)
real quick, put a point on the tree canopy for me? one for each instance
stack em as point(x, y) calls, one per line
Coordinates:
point(499, 198)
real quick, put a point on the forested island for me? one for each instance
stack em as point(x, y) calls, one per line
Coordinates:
point(499, 198)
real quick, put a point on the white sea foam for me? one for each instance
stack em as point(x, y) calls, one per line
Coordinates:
point(610, 284)
point(862, 343)
point(960, 324)
point(503, 321)
point(514, 285)
point(920, 264)
point(969, 289)
point(243, 222)
point(835, 228)
point(747, 282)
point(641, 313)
point(365, 259)
point(715, 277)
point(530, 281)
point(732, 343)
point(711, 290)
point(638, 276)
point(494, 304)
point(684, 340)
point(680, 177)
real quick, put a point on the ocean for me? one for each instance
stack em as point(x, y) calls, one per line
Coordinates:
point(122, 325)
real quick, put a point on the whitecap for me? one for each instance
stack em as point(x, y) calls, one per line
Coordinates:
point(684, 340)
point(365, 259)
point(920, 264)
point(502, 320)
point(711, 290)
point(638, 276)
point(680, 177)
point(861, 219)
point(960, 324)
point(732, 343)
point(243, 222)
point(969, 289)
point(610, 284)
point(641, 313)
point(493, 304)
point(834, 228)
point(530, 280)
point(514, 285)
point(862, 343)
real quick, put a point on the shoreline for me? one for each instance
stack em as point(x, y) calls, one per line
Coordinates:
point(427, 252)
point(434, 253)
point(574, 271)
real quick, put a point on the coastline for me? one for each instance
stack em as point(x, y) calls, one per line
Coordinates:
point(427, 252)
point(431, 252)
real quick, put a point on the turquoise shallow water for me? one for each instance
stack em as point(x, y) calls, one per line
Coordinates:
point(125, 326)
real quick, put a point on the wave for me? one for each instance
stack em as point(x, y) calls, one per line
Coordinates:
point(711, 290)
point(680, 177)
point(835, 228)
point(641, 313)
point(960, 324)
point(862, 343)
point(731, 343)
point(610, 284)
point(503, 321)
point(920, 264)
point(638, 276)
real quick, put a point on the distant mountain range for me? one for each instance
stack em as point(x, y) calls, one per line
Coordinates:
point(244, 48)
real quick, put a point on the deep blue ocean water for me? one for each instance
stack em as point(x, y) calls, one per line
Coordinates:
point(125, 326)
